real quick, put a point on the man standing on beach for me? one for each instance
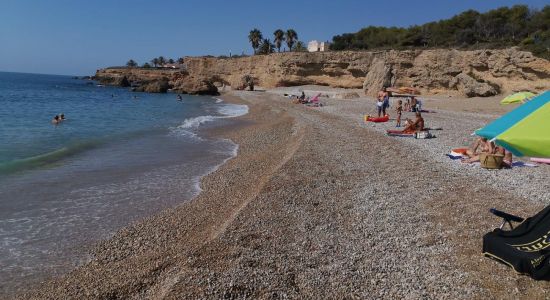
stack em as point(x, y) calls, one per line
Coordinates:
point(382, 101)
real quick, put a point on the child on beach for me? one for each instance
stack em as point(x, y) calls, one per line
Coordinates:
point(399, 110)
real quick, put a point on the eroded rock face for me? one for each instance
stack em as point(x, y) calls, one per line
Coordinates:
point(484, 72)
point(196, 86)
point(470, 87)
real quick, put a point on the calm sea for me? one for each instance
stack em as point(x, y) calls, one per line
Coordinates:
point(118, 157)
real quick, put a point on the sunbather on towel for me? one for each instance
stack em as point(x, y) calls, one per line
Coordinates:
point(507, 160)
point(486, 147)
point(416, 126)
point(480, 145)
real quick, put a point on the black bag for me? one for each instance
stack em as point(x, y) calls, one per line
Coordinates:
point(526, 248)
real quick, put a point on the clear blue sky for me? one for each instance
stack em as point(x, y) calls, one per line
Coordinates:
point(77, 37)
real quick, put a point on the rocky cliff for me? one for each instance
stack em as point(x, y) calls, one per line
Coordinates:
point(469, 73)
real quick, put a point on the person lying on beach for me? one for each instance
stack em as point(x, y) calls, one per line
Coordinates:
point(416, 126)
point(55, 120)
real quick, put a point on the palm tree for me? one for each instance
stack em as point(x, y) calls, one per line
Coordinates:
point(155, 62)
point(279, 38)
point(266, 47)
point(131, 63)
point(255, 37)
point(162, 60)
point(291, 37)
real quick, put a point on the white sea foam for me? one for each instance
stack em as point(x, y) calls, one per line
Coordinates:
point(233, 110)
point(190, 125)
point(218, 100)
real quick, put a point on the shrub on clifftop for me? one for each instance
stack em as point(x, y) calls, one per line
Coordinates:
point(131, 63)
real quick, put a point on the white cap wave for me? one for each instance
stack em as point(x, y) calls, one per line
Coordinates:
point(226, 111)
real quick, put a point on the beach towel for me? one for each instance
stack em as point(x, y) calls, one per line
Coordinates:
point(385, 118)
point(399, 133)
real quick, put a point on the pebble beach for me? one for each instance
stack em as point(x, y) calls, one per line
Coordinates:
point(319, 204)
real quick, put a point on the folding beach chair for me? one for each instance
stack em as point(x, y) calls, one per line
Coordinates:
point(525, 248)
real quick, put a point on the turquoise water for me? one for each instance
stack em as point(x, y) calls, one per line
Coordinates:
point(28, 102)
point(118, 157)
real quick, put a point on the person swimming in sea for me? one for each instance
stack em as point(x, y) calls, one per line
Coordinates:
point(62, 117)
point(56, 120)
point(179, 97)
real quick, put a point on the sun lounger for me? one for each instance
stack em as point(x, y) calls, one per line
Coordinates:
point(525, 248)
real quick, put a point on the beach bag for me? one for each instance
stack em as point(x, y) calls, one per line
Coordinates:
point(423, 135)
point(491, 161)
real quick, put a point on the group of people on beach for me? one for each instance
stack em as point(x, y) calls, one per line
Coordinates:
point(412, 105)
point(411, 126)
point(58, 119)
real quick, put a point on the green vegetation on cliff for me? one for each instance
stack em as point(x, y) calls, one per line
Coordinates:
point(502, 27)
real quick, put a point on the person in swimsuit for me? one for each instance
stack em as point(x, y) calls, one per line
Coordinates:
point(480, 144)
point(416, 126)
point(55, 120)
point(413, 104)
point(484, 145)
point(399, 110)
point(382, 102)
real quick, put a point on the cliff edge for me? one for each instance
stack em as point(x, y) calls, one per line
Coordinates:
point(468, 73)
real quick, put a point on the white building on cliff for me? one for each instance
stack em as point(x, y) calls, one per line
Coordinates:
point(315, 46)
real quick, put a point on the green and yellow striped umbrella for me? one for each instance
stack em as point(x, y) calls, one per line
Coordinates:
point(525, 131)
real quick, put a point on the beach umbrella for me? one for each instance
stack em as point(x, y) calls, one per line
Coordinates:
point(525, 131)
point(517, 98)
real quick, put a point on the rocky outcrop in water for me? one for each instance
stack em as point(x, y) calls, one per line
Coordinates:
point(455, 72)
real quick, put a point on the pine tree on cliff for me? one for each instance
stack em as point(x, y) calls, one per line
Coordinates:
point(180, 60)
point(171, 61)
point(155, 62)
point(291, 37)
point(255, 37)
point(300, 47)
point(131, 63)
point(162, 60)
point(279, 39)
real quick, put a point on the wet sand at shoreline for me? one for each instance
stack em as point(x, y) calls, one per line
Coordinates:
point(318, 204)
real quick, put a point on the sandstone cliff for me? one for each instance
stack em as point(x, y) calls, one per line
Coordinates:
point(470, 73)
